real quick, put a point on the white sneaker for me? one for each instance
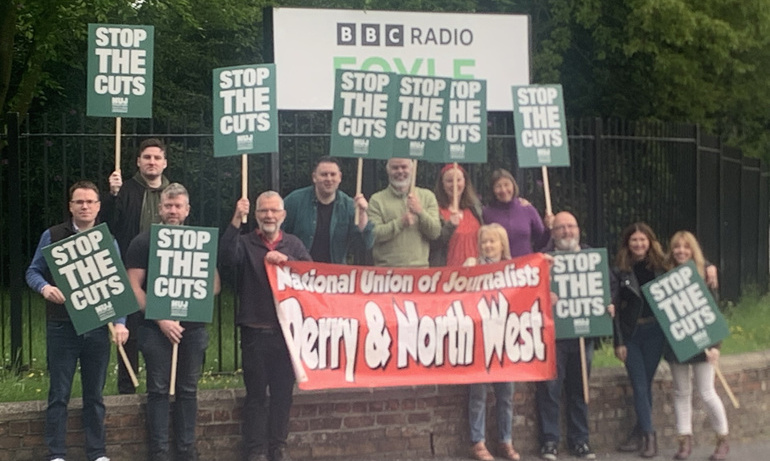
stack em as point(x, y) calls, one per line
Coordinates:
point(101, 458)
point(58, 459)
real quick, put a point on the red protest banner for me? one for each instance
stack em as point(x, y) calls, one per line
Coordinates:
point(356, 326)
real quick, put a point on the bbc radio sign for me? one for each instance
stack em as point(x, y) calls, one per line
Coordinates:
point(367, 34)
point(491, 47)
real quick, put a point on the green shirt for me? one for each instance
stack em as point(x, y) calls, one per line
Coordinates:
point(394, 244)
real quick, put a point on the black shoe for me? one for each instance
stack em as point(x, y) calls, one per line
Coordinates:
point(549, 450)
point(582, 450)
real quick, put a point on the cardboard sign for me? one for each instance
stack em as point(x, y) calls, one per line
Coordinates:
point(120, 63)
point(245, 110)
point(466, 128)
point(360, 326)
point(90, 274)
point(363, 116)
point(581, 281)
point(421, 118)
point(541, 126)
point(180, 273)
point(686, 311)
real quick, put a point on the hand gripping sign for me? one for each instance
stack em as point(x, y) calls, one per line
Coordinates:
point(686, 311)
point(355, 326)
point(90, 274)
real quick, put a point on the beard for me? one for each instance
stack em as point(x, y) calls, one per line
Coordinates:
point(567, 244)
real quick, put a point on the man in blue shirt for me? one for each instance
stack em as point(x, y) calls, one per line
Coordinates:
point(65, 347)
point(323, 217)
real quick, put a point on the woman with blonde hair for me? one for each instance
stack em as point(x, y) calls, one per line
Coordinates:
point(638, 338)
point(683, 248)
point(493, 247)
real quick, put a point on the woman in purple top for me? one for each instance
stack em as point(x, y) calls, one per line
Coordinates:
point(526, 231)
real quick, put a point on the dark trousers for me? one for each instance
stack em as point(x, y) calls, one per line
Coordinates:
point(125, 386)
point(64, 349)
point(157, 350)
point(548, 394)
point(266, 365)
point(644, 347)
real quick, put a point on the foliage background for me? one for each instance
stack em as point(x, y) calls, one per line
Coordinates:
point(698, 61)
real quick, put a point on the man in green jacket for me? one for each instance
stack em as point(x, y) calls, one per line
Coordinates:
point(323, 217)
point(404, 221)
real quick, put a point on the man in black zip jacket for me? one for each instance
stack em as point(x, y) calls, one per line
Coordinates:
point(130, 209)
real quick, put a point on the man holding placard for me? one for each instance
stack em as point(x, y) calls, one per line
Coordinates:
point(64, 346)
point(405, 221)
point(158, 338)
point(266, 361)
point(565, 237)
point(130, 209)
point(323, 217)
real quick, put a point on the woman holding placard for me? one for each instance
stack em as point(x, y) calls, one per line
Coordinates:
point(683, 248)
point(460, 213)
point(492, 247)
point(639, 340)
point(519, 218)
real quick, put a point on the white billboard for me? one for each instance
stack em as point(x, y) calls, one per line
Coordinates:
point(309, 44)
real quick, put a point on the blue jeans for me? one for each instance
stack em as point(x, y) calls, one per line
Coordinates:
point(64, 349)
point(548, 394)
point(477, 410)
point(266, 364)
point(157, 350)
point(644, 349)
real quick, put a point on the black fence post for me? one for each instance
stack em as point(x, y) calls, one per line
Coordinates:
point(763, 254)
point(598, 233)
point(15, 257)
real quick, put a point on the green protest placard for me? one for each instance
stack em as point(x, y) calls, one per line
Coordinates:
point(180, 273)
point(541, 126)
point(686, 311)
point(120, 62)
point(466, 128)
point(245, 110)
point(90, 274)
point(362, 120)
point(581, 281)
point(421, 118)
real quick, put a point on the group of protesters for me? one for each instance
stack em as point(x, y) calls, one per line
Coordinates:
point(403, 226)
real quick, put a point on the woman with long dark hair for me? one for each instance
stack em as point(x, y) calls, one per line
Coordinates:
point(639, 340)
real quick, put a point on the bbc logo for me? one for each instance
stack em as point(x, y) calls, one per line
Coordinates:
point(352, 34)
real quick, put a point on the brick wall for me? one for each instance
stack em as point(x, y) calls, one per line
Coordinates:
point(398, 422)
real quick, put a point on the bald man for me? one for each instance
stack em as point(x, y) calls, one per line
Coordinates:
point(565, 236)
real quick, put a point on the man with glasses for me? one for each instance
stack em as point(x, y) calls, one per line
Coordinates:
point(130, 209)
point(266, 361)
point(65, 347)
point(565, 236)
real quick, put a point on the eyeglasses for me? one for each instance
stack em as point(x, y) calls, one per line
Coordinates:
point(268, 210)
point(565, 227)
point(84, 202)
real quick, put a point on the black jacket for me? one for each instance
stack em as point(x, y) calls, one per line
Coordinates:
point(629, 300)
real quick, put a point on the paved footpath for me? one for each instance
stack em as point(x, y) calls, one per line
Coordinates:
point(739, 451)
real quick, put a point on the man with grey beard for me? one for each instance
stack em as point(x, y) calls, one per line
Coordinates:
point(565, 236)
point(404, 221)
